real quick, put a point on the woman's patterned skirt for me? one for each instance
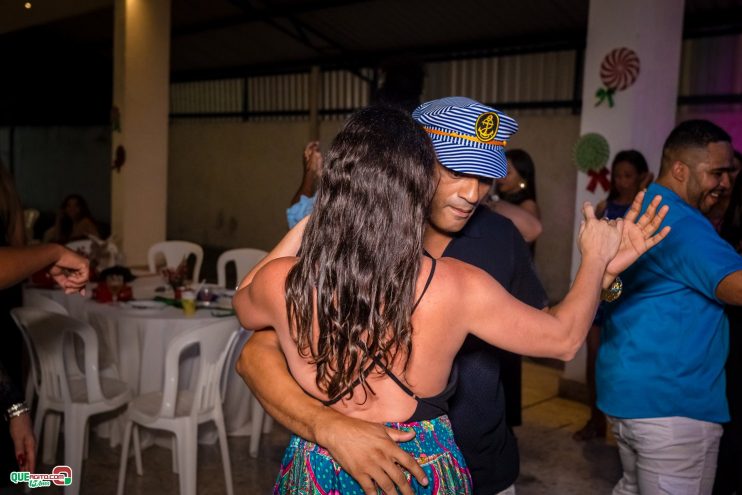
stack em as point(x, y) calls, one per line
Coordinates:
point(308, 469)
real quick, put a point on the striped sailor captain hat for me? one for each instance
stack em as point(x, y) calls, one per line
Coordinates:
point(468, 137)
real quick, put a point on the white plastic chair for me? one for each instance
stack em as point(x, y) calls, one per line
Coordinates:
point(77, 398)
point(34, 300)
point(30, 216)
point(174, 252)
point(181, 411)
point(243, 259)
point(83, 246)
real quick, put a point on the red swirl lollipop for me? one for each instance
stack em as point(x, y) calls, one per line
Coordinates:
point(619, 69)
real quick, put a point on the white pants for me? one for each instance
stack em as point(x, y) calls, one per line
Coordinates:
point(507, 491)
point(668, 456)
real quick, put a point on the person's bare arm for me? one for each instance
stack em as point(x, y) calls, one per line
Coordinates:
point(559, 331)
point(531, 207)
point(288, 246)
point(729, 289)
point(68, 269)
point(367, 451)
point(312, 161)
point(526, 222)
point(21, 432)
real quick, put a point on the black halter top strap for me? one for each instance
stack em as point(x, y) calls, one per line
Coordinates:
point(377, 359)
point(427, 407)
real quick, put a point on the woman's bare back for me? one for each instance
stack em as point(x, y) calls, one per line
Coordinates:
point(438, 332)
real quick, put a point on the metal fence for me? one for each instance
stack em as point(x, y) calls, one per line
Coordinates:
point(541, 83)
point(271, 97)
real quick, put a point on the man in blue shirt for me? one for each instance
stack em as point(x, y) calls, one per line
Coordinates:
point(660, 368)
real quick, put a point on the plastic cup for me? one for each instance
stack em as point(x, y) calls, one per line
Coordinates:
point(188, 302)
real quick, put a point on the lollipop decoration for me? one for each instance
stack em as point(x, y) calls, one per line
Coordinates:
point(618, 71)
point(591, 153)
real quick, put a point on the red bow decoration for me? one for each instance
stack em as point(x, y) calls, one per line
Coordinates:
point(599, 177)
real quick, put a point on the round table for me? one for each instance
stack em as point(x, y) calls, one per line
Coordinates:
point(133, 342)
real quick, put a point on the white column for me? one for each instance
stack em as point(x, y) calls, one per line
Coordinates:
point(644, 113)
point(141, 94)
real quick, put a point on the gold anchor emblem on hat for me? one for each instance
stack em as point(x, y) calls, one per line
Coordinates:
point(487, 126)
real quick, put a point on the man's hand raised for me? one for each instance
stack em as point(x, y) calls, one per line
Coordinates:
point(638, 235)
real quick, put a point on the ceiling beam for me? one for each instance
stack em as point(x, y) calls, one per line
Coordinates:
point(299, 32)
point(713, 22)
point(354, 60)
point(261, 15)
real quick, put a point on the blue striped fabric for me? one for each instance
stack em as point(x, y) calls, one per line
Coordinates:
point(466, 152)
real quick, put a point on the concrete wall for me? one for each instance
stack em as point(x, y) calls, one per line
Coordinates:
point(52, 162)
point(229, 183)
point(549, 140)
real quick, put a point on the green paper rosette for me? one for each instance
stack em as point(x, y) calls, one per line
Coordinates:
point(591, 152)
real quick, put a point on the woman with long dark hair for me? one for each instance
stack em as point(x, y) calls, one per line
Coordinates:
point(371, 326)
point(519, 186)
point(74, 221)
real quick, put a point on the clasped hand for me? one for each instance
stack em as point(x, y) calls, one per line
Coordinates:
point(621, 242)
point(71, 271)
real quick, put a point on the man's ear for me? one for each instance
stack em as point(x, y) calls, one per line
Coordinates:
point(679, 171)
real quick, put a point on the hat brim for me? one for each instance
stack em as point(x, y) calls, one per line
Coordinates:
point(483, 160)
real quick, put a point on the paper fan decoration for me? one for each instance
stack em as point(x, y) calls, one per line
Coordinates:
point(591, 155)
point(591, 152)
point(618, 71)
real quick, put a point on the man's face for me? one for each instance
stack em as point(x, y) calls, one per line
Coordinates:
point(709, 177)
point(455, 199)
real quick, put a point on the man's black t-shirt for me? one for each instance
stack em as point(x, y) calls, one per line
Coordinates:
point(491, 242)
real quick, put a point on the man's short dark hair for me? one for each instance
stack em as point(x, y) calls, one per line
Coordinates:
point(691, 134)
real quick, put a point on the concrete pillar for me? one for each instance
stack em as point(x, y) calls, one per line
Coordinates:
point(141, 96)
point(644, 113)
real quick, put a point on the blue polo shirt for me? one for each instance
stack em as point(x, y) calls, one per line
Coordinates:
point(665, 341)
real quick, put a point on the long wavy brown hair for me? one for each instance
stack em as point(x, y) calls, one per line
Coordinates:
point(361, 251)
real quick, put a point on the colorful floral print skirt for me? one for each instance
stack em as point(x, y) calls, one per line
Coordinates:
point(308, 469)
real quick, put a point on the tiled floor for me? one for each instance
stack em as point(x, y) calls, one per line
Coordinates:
point(551, 462)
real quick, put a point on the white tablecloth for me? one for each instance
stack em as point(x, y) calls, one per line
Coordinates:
point(133, 344)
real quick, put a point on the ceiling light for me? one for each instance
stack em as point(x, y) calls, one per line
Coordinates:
point(27, 5)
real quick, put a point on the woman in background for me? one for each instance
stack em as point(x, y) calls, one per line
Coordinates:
point(74, 221)
point(519, 186)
